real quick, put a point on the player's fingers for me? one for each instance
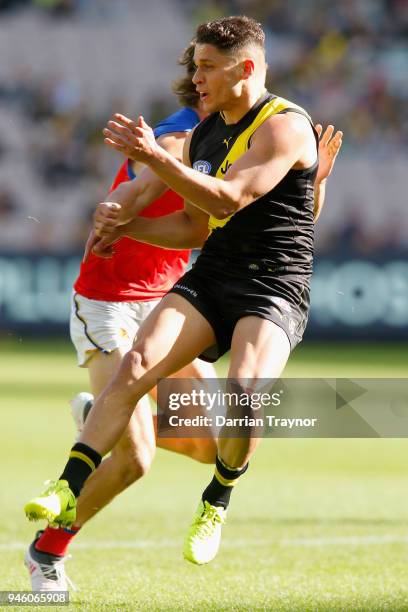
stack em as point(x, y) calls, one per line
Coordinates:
point(106, 232)
point(118, 132)
point(335, 144)
point(319, 129)
point(118, 147)
point(90, 243)
point(125, 120)
point(121, 139)
point(338, 138)
point(87, 253)
point(118, 128)
point(334, 148)
point(139, 132)
point(116, 135)
point(110, 209)
point(105, 253)
point(120, 135)
point(328, 133)
point(142, 123)
point(101, 224)
point(104, 218)
point(108, 206)
point(100, 221)
point(105, 247)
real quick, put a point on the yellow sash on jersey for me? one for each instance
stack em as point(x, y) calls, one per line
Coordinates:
point(241, 145)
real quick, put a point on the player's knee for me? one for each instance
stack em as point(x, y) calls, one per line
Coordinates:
point(142, 356)
point(132, 368)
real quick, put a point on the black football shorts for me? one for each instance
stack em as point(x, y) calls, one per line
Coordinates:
point(224, 294)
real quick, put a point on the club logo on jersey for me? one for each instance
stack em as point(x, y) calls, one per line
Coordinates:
point(227, 166)
point(202, 166)
point(226, 141)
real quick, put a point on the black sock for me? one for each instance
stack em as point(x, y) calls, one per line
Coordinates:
point(219, 490)
point(83, 460)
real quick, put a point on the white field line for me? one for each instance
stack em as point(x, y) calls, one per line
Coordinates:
point(351, 540)
point(295, 542)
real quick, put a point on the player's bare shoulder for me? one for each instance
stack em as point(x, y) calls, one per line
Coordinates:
point(288, 131)
point(173, 143)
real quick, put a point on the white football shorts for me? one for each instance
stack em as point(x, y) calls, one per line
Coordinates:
point(105, 326)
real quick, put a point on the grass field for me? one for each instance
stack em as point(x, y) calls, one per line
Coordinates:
point(314, 525)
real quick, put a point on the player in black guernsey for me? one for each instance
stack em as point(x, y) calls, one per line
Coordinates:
point(247, 178)
point(267, 247)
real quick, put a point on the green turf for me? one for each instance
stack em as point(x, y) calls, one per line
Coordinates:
point(314, 525)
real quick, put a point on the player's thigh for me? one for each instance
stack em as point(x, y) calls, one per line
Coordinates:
point(195, 372)
point(172, 336)
point(259, 350)
point(102, 367)
point(198, 369)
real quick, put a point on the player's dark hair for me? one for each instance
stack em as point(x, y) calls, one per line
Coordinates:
point(184, 87)
point(231, 33)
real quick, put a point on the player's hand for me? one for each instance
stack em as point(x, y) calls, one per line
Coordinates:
point(101, 246)
point(133, 139)
point(106, 218)
point(90, 243)
point(329, 147)
point(105, 246)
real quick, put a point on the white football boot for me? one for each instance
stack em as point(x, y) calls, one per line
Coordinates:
point(47, 572)
point(80, 407)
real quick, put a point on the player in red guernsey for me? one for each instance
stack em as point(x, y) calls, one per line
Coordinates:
point(111, 298)
point(138, 271)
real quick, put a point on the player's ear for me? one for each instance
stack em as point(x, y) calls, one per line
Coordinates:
point(248, 67)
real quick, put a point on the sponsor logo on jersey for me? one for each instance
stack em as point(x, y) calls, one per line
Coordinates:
point(202, 166)
point(226, 141)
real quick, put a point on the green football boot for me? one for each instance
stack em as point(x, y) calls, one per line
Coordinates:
point(204, 535)
point(57, 505)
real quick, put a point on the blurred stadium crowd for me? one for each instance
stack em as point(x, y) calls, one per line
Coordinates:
point(345, 61)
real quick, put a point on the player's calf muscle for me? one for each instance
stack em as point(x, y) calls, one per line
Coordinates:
point(205, 450)
point(131, 466)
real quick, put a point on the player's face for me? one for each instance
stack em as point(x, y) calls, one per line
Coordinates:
point(217, 78)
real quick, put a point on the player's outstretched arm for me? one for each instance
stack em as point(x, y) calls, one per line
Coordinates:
point(128, 200)
point(184, 229)
point(179, 230)
point(254, 174)
point(134, 196)
point(329, 147)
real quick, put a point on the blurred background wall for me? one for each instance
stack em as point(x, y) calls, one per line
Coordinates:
point(67, 64)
